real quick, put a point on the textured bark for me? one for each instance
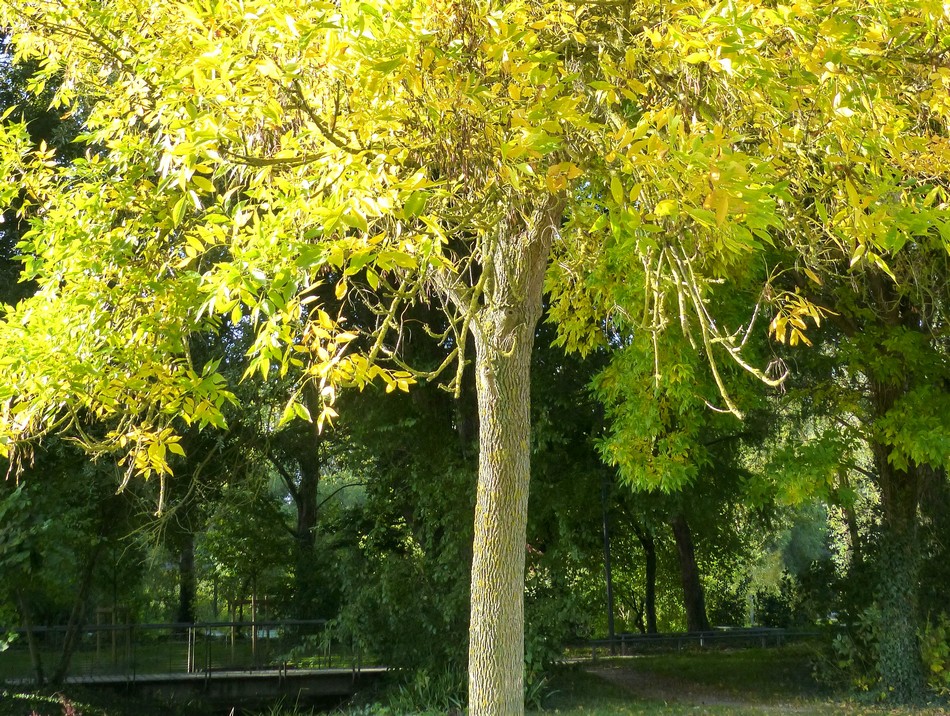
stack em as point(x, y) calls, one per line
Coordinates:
point(693, 598)
point(497, 627)
point(504, 336)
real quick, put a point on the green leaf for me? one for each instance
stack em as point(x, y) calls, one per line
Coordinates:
point(415, 204)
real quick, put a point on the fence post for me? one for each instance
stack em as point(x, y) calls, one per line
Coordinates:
point(190, 666)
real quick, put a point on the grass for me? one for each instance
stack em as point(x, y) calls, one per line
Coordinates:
point(754, 674)
point(719, 683)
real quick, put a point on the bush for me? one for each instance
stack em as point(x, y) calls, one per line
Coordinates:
point(935, 650)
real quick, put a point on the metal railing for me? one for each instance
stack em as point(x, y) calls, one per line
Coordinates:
point(735, 637)
point(131, 650)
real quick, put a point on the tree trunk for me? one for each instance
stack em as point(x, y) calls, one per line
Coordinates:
point(75, 616)
point(608, 573)
point(36, 657)
point(187, 583)
point(497, 628)
point(504, 336)
point(649, 603)
point(693, 598)
point(305, 500)
point(899, 661)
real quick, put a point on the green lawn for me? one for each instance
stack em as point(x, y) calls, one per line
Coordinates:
point(753, 681)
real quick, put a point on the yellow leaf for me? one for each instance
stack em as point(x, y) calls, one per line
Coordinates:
point(555, 182)
point(202, 183)
point(616, 189)
point(721, 202)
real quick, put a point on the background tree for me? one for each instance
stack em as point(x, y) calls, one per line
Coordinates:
point(846, 111)
point(54, 537)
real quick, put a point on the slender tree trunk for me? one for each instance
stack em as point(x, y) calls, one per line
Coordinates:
point(851, 520)
point(305, 500)
point(649, 551)
point(75, 616)
point(693, 598)
point(187, 582)
point(36, 658)
point(608, 574)
point(504, 337)
point(899, 661)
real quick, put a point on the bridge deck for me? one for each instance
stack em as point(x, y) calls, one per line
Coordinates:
point(290, 673)
point(235, 686)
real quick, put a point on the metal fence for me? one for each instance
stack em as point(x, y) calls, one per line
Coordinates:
point(131, 650)
point(739, 637)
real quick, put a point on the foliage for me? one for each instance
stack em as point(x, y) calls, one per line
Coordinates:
point(422, 692)
point(411, 530)
point(244, 543)
point(442, 692)
point(45, 126)
point(852, 660)
point(56, 704)
point(856, 660)
point(935, 649)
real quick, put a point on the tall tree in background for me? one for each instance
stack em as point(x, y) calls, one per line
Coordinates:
point(871, 243)
point(853, 115)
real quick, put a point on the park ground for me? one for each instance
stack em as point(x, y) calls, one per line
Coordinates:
point(774, 681)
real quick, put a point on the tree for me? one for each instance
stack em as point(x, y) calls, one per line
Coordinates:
point(851, 114)
point(54, 534)
point(870, 243)
point(247, 154)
